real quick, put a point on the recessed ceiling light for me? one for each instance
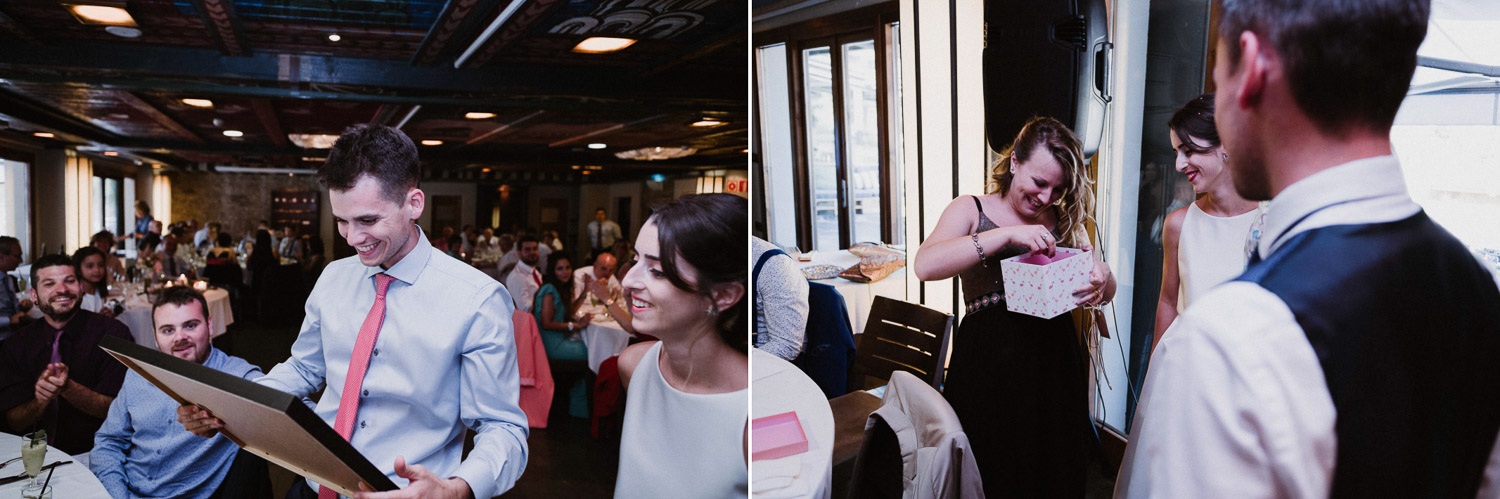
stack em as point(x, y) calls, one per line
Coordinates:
point(602, 45)
point(233, 133)
point(111, 153)
point(123, 31)
point(432, 142)
point(102, 14)
point(706, 122)
point(45, 135)
point(479, 116)
point(198, 102)
point(597, 145)
point(334, 37)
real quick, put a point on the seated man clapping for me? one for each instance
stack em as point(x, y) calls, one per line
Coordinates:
point(142, 451)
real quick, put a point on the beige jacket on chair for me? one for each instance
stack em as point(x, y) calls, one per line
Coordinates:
point(936, 459)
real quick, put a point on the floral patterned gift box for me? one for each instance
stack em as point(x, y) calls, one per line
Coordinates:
point(1043, 287)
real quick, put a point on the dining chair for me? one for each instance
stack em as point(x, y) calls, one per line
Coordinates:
point(901, 336)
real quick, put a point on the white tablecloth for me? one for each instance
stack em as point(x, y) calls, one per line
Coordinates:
point(68, 481)
point(604, 339)
point(859, 296)
point(778, 387)
point(137, 315)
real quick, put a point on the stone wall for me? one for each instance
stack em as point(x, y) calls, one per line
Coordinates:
point(239, 201)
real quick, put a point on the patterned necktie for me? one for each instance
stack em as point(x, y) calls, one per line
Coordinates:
point(343, 421)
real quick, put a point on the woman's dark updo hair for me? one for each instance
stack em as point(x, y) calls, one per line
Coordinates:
point(1196, 120)
point(708, 232)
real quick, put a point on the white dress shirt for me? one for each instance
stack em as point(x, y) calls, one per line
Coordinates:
point(445, 360)
point(522, 283)
point(579, 289)
point(1235, 403)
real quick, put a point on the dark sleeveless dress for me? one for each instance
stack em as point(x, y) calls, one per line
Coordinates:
point(1019, 385)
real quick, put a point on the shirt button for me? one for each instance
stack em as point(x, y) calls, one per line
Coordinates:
point(366, 393)
point(377, 351)
point(361, 424)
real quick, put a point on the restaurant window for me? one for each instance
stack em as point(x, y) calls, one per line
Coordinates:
point(110, 204)
point(15, 200)
point(830, 134)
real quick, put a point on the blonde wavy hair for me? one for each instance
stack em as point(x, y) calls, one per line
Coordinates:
point(1076, 205)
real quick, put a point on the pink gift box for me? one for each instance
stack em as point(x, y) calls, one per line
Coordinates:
point(1043, 287)
point(775, 437)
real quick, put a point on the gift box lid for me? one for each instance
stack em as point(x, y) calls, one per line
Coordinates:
point(777, 436)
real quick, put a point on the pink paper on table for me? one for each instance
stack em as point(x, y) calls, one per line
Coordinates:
point(1043, 287)
point(775, 437)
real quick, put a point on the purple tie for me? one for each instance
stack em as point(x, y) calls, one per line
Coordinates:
point(56, 341)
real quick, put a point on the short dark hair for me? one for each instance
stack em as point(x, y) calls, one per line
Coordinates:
point(151, 240)
point(224, 239)
point(8, 242)
point(698, 229)
point(180, 296)
point(1196, 119)
point(102, 235)
point(57, 260)
point(528, 238)
point(382, 152)
point(1348, 62)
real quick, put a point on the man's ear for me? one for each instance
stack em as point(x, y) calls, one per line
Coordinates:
point(416, 201)
point(1254, 69)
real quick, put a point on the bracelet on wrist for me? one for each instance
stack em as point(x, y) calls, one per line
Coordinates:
point(979, 249)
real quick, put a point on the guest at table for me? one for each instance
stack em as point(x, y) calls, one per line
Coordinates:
point(147, 254)
point(603, 232)
point(53, 375)
point(88, 263)
point(207, 236)
point(487, 248)
point(509, 255)
point(686, 430)
point(143, 221)
point(104, 241)
point(313, 264)
point(524, 279)
point(549, 239)
point(141, 449)
point(169, 262)
point(780, 302)
point(561, 327)
point(440, 241)
point(262, 257)
point(1018, 383)
point(290, 245)
point(602, 296)
point(222, 265)
point(13, 309)
point(470, 236)
point(222, 250)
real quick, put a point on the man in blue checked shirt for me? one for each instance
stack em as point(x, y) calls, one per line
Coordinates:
point(142, 451)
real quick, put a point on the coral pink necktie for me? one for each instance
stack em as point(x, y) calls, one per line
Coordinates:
point(343, 422)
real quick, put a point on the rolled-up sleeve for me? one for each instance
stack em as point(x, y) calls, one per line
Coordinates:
point(490, 400)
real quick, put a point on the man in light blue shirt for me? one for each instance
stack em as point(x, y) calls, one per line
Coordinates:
point(141, 451)
point(444, 358)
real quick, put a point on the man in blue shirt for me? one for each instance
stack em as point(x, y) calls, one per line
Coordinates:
point(141, 450)
point(12, 307)
point(410, 346)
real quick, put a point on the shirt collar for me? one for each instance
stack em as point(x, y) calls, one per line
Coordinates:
point(410, 267)
point(1377, 179)
point(215, 358)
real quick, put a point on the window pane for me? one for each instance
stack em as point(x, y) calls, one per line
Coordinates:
point(822, 147)
point(96, 219)
point(111, 205)
point(897, 137)
point(776, 144)
point(862, 139)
